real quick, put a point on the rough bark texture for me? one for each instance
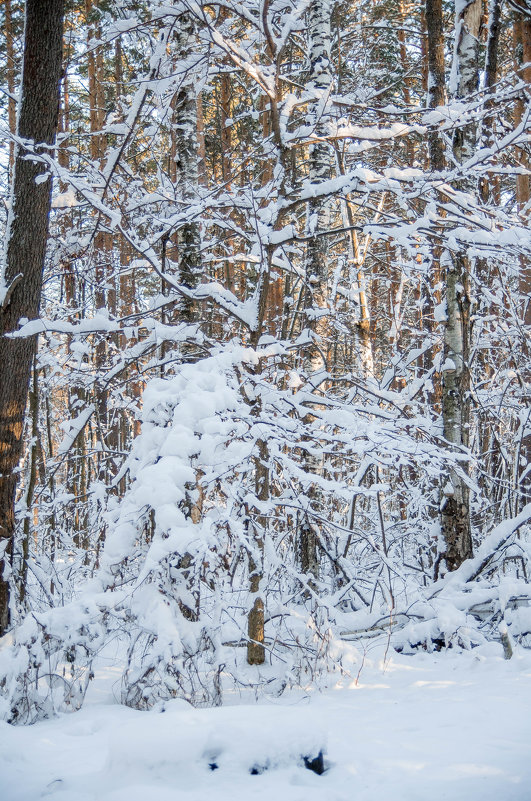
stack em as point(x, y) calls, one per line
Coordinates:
point(10, 76)
point(26, 239)
point(436, 78)
point(522, 40)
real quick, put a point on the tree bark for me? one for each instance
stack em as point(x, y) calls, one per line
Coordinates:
point(316, 310)
point(436, 78)
point(255, 619)
point(319, 165)
point(489, 184)
point(10, 76)
point(455, 500)
point(465, 73)
point(184, 131)
point(522, 41)
point(26, 238)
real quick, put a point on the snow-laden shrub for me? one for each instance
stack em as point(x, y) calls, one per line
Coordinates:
point(46, 662)
point(192, 528)
point(195, 542)
point(485, 599)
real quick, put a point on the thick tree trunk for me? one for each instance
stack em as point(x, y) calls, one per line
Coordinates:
point(10, 76)
point(26, 239)
point(436, 78)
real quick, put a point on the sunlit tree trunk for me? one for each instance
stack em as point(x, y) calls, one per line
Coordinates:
point(26, 239)
point(522, 40)
point(102, 242)
point(436, 76)
point(436, 97)
point(10, 76)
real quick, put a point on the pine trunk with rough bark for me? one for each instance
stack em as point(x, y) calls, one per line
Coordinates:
point(436, 77)
point(10, 77)
point(26, 239)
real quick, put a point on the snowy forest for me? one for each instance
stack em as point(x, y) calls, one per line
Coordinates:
point(265, 319)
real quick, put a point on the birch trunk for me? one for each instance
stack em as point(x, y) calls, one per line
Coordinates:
point(464, 79)
point(316, 308)
point(185, 128)
point(319, 165)
point(455, 500)
point(185, 247)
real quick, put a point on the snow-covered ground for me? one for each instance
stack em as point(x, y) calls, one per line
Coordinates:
point(414, 728)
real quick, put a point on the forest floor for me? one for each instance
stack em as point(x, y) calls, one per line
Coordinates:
point(413, 728)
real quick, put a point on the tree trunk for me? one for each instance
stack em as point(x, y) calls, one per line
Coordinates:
point(319, 165)
point(184, 120)
point(436, 79)
point(455, 501)
point(465, 72)
point(255, 619)
point(26, 238)
point(316, 311)
point(489, 185)
point(522, 40)
point(10, 76)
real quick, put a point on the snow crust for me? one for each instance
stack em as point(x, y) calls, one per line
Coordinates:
point(432, 726)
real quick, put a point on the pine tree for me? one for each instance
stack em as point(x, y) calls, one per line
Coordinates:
point(26, 238)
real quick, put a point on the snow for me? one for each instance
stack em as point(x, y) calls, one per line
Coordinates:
point(432, 726)
point(64, 200)
point(72, 428)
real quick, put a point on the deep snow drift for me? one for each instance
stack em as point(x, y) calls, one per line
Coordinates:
point(414, 728)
